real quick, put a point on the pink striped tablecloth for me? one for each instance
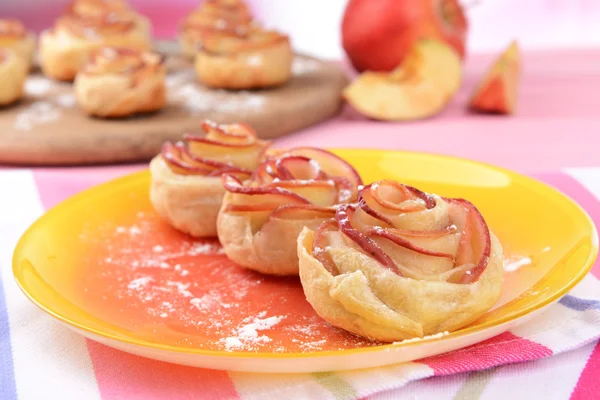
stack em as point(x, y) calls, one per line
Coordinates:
point(554, 137)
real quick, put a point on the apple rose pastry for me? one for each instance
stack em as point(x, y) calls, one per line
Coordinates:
point(256, 59)
point(186, 188)
point(401, 264)
point(227, 16)
point(13, 72)
point(66, 48)
point(121, 82)
point(14, 36)
point(260, 219)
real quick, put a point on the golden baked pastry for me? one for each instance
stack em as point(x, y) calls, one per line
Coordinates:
point(121, 82)
point(13, 35)
point(186, 188)
point(66, 47)
point(257, 59)
point(230, 16)
point(401, 264)
point(13, 72)
point(260, 219)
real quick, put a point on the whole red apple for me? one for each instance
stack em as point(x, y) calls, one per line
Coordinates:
point(377, 34)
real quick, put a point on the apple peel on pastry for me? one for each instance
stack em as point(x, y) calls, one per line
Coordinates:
point(14, 36)
point(253, 59)
point(66, 47)
point(401, 264)
point(186, 188)
point(120, 82)
point(13, 72)
point(260, 219)
point(227, 16)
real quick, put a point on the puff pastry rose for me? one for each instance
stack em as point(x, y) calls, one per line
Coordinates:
point(14, 36)
point(13, 72)
point(186, 188)
point(261, 218)
point(243, 56)
point(227, 16)
point(121, 82)
point(87, 26)
point(401, 264)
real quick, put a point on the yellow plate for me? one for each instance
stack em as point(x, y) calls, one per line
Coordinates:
point(104, 264)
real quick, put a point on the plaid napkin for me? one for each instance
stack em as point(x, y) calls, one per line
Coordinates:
point(39, 359)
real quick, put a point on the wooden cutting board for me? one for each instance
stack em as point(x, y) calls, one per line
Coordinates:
point(47, 128)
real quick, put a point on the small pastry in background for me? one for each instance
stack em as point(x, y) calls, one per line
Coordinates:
point(255, 59)
point(65, 48)
point(186, 189)
point(120, 82)
point(232, 16)
point(401, 264)
point(98, 8)
point(13, 35)
point(13, 72)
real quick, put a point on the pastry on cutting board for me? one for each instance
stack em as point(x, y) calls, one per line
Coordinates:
point(118, 82)
point(14, 36)
point(13, 72)
point(86, 26)
point(219, 15)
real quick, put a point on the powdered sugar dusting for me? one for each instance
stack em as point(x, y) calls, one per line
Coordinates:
point(38, 113)
point(303, 65)
point(247, 336)
point(168, 287)
point(185, 91)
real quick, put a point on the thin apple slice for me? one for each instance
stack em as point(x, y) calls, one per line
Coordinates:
point(497, 91)
point(320, 244)
point(299, 167)
point(258, 214)
point(171, 154)
point(397, 197)
point(390, 235)
point(330, 163)
point(420, 87)
point(257, 195)
point(234, 134)
point(344, 217)
point(303, 212)
point(475, 243)
point(320, 193)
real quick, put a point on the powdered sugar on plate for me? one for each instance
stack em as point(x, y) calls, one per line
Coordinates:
point(168, 287)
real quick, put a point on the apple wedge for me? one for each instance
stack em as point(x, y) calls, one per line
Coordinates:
point(420, 87)
point(497, 91)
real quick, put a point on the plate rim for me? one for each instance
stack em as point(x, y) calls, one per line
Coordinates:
point(134, 176)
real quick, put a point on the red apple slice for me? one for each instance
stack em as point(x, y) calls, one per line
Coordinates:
point(299, 167)
point(436, 234)
point(475, 242)
point(344, 216)
point(173, 157)
point(321, 193)
point(256, 195)
point(497, 91)
point(330, 163)
point(303, 212)
point(407, 244)
point(392, 196)
point(320, 243)
point(233, 134)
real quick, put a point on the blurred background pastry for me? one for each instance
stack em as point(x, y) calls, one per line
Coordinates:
point(13, 71)
point(85, 26)
point(14, 35)
point(233, 16)
point(119, 82)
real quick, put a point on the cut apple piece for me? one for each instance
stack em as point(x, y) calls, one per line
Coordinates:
point(420, 87)
point(321, 193)
point(303, 212)
point(497, 91)
point(256, 195)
